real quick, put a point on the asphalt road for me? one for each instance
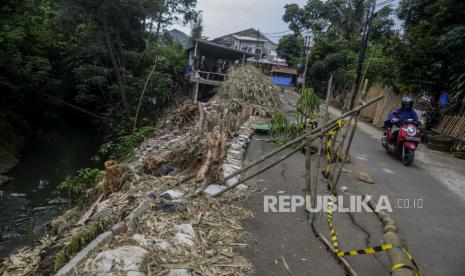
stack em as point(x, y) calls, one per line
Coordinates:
point(433, 231)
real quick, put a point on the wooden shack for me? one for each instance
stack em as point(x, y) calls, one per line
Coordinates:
point(210, 63)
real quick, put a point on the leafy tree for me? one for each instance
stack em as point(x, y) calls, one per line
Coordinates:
point(336, 27)
point(25, 40)
point(197, 29)
point(432, 55)
point(291, 48)
point(97, 55)
point(120, 26)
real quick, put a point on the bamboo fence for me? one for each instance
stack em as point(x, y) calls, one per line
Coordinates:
point(380, 111)
point(453, 127)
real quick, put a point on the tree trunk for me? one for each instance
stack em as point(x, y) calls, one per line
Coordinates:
point(157, 35)
point(119, 78)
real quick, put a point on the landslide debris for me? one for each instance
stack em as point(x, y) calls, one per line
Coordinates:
point(146, 204)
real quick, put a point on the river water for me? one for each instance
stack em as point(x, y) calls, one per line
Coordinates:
point(26, 204)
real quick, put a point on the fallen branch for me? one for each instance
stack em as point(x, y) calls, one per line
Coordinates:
point(143, 92)
point(72, 106)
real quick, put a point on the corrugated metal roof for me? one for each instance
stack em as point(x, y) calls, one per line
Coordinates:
point(251, 32)
point(284, 70)
point(248, 38)
point(217, 50)
point(268, 61)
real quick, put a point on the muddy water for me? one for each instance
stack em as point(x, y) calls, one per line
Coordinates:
point(27, 203)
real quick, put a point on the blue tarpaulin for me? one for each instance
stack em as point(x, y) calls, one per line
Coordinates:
point(279, 80)
point(443, 100)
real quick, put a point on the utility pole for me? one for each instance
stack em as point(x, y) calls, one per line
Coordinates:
point(361, 57)
point(306, 51)
point(258, 45)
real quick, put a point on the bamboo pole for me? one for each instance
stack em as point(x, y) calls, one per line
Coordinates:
point(196, 91)
point(459, 127)
point(261, 170)
point(308, 167)
point(329, 126)
point(347, 265)
point(396, 255)
point(320, 148)
point(346, 154)
point(441, 125)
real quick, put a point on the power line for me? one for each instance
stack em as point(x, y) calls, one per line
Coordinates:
point(278, 32)
point(279, 36)
point(389, 2)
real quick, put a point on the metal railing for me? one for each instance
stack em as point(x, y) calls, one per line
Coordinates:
point(211, 75)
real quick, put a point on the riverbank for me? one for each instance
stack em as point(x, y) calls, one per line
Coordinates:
point(12, 138)
point(152, 214)
point(176, 151)
point(28, 202)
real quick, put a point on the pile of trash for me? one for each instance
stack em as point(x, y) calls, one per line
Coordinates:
point(249, 85)
point(154, 223)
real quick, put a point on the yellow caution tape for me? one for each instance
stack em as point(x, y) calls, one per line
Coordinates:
point(332, 132)
point(366, 251)
point(333, 235)
point(314, 116)
point(415, 269)
point(332, 231)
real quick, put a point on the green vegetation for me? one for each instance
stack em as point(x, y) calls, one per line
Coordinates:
point(291, 48)
point(122, 148)
point(112, 58)
point(197, 28)
point(307, 108)
point(75, 188)
point(308, 103)
point(96, 55)
point(427, 57)
point(78, 242)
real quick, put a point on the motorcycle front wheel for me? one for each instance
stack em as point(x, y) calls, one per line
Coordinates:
point(408, 157)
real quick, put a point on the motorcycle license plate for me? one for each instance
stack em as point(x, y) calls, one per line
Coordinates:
point(414, 139)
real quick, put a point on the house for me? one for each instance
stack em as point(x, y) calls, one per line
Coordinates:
point(264, 54)
point(249, 40)
point(209, 64)
point(206, 56)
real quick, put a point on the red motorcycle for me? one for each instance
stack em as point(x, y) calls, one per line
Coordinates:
point(402, 140)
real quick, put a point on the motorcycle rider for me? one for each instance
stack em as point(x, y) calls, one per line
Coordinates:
point(404, 113)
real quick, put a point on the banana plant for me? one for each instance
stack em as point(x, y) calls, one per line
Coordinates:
point(285, 126)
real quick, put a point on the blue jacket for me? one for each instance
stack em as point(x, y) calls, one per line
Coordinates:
point(402, 115)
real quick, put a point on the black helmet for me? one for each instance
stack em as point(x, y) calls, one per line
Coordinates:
point(407, 103)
